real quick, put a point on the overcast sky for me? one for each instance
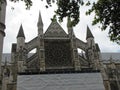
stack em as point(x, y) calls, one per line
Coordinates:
point(28, 18)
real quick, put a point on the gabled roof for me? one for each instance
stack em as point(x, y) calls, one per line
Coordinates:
point(89, 34)
point(55, 30)
point(21, 32)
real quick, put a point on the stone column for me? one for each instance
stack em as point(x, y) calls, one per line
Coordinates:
point(41, 53)
point(75, 55)
point(2, 28)
point(2, 34)
point(76, 60)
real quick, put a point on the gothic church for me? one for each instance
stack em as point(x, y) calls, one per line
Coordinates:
point(56, 53)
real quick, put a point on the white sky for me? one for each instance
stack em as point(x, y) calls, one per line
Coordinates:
point(29, 18)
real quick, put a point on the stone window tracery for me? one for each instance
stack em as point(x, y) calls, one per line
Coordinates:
point(57, 53)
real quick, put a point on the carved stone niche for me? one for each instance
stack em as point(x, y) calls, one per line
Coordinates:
point(58, 54)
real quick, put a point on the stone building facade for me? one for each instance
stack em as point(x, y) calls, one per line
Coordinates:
point(56, 51)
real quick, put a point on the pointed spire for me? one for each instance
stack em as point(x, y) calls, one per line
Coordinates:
point(111, 59)
point(70, 28)
point(21, 32)
point(40, 20)
point(89, 34)
point(97, 47)
point(69, 23)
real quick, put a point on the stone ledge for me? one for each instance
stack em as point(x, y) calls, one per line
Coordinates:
point(59, 72)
